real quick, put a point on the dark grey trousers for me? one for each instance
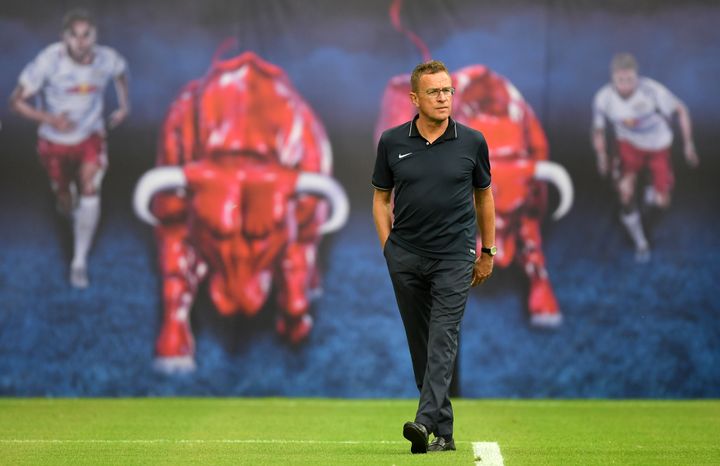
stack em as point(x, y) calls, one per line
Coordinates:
point(431, 295)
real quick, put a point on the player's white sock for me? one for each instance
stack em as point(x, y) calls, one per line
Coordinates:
point(85, 220)
point(651, 196)
point(634, 227)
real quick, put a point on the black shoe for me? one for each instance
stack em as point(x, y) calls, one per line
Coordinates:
point(418, 436)
point(439, 444)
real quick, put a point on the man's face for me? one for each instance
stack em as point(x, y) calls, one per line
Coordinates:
point(625, 82)
point(433, 98)
point(80, 40)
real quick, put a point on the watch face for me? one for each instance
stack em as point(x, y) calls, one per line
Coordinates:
point(491, 250)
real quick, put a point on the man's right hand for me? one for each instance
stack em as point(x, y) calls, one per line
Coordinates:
point(60, 122)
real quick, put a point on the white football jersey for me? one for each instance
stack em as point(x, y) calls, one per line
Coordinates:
point(65, 86)
point(642, 119)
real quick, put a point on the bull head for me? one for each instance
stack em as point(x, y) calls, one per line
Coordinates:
point(512, 181)
point(173, 178)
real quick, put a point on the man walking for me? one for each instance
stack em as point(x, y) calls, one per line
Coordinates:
point(439, 171)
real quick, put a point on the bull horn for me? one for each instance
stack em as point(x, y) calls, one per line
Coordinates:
point(323, 185)
point(156, 180)
point(557, 175)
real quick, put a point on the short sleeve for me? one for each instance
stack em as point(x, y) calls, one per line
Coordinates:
point(481, 172)
point(120, 65)
point(35, 73)
point(666, 101)
point(116, 64)
point(598, 111)
point(382, 177)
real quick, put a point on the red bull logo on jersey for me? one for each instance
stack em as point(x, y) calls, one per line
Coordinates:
point(83, 88)
point(630, 122)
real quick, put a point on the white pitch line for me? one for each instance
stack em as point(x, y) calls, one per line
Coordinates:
point(487, 454)
point(201, 441)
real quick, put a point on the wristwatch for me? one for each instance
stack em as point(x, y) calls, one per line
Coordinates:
point(492, 250)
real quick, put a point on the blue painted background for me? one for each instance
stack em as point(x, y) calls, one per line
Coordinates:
point(629, 330)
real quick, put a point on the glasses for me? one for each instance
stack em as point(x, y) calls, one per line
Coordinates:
point(435, 92)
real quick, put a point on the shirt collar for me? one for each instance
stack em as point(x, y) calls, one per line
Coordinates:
point(450, 131)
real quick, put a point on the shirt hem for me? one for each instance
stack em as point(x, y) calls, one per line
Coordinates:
point(450, 256)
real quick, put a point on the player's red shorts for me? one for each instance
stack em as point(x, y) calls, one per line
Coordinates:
point(657, 161)
point(62, 162)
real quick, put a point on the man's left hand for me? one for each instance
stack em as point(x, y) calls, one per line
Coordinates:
point(482, 269)
point(117, 117)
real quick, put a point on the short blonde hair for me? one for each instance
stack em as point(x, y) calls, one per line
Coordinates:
point(429, 67)
point(623, 61)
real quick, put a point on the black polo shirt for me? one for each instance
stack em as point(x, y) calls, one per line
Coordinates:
point(434, 210)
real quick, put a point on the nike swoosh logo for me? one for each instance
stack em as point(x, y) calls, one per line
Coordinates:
point(402, 156)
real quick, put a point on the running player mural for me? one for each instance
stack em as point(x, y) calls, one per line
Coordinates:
point(242, 195)
point(490, 103)
point(640, 110)
point(63, 90)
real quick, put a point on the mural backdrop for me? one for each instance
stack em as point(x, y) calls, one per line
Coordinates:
point(236, 254)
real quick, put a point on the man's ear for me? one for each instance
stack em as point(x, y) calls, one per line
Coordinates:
point(414, 99)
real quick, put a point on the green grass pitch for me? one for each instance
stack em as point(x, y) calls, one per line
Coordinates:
point(358, 432)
